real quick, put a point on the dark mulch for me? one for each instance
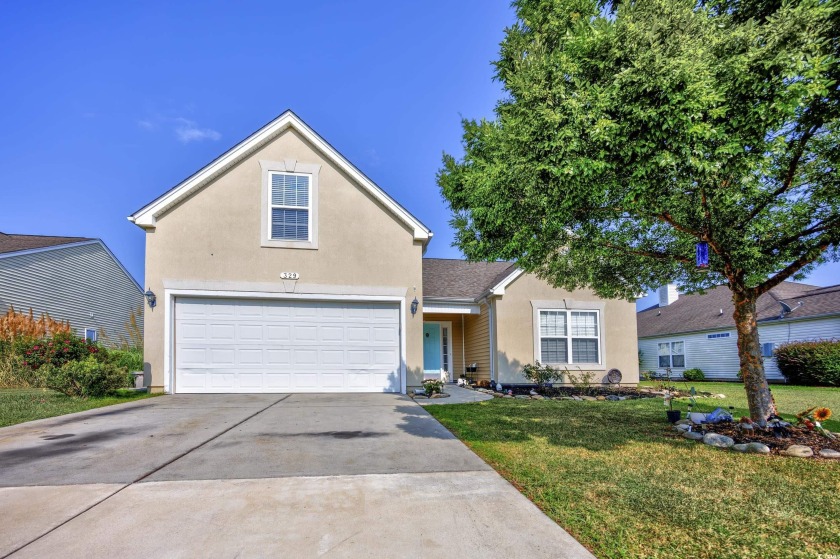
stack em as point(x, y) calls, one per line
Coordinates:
point(796, 435)
point(596, 390)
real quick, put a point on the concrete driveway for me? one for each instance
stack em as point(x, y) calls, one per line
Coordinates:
point(256, 476)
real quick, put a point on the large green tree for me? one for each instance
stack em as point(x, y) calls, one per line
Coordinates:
point(631, 131)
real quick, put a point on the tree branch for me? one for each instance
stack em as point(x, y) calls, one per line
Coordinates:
point(791, 268)
point(787, 180)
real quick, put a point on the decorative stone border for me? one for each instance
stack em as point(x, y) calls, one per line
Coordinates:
point(717, 440)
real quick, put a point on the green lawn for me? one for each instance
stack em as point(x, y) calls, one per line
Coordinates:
point(20, 405)
point(616, 477)
point(790, 400)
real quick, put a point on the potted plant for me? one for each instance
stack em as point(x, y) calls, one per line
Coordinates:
point(673, 415)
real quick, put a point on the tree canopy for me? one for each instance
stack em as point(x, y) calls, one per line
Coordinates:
point(630, 131)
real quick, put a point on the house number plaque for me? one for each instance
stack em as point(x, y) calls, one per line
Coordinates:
point(289, 275)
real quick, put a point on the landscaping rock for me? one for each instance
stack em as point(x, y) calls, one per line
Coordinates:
point(745, 427)
point(578, 398)
point(683, 422)
point(537, 397)
point(697, 418)
point(533, 392)
point(600, 398)
point(758, 448)
point(718, 441)
point(740, 447)
point(588, 398)
point(692, 435)
point(613, 398)
point(523, 397)
point(799, 451)
point(828, 453)
point(682, 427)
point(622, 398)
point(508, 396)
point(719, 396)
point(566, 398)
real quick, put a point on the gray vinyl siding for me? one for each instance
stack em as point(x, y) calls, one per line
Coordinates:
point(718, 358)
point(82, 284)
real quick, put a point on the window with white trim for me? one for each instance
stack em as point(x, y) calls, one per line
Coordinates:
point(672, 354)
point(289, 209)
point(717, 335)
point(568, 337)
point(90, 334)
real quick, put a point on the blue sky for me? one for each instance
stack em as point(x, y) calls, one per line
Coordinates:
point(109, 104)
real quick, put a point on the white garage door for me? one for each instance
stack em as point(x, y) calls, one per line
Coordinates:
point(231, 345)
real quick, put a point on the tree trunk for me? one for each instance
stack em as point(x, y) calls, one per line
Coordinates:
point(749, 353)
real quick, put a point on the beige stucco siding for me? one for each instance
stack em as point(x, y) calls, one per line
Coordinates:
point(477, 341)
point(215, 236)
point(514, 322)
point(457, 340)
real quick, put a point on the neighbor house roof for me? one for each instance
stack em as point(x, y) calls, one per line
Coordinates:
point(16, 243)
point(146, 216)
point(459, 279)
point(696, 312)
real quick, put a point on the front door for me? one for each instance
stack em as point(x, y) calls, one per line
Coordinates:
point(432, 350)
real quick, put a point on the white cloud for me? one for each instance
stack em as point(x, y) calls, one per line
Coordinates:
point(188, 131)
point(146, 124)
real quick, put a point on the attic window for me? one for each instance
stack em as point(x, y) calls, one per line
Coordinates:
point(289, 207)
point(289, 204)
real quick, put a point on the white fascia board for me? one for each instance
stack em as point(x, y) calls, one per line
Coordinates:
point(147, 216)
point(499, 288)
point(451, 308)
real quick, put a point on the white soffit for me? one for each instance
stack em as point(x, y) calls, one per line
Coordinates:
point(147, 216)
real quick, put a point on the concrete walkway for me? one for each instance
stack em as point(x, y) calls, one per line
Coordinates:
point(457, 395)
point(260, 475)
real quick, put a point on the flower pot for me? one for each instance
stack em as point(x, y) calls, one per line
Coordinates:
point(673, 415)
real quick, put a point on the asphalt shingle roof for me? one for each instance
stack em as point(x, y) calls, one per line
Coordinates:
point(459, 279)
point(15, 243)
point(692, 313)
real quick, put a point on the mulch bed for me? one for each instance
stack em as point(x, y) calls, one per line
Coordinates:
point(560, 391)
point(797, 436)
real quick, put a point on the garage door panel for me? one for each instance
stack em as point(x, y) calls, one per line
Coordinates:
point(226, 345)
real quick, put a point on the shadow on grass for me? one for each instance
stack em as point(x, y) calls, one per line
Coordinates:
point(595, 426)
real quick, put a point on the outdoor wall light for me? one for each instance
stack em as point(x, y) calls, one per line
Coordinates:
point(150, 298)
point(414, 305)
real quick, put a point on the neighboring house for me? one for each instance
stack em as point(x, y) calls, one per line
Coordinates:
point(698, 331)
point(72, 279)
point(280, 267)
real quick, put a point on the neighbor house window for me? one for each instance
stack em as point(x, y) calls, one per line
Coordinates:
point(90, 334)
point(290, 210)
point(569, 336)
point(718, 335)
point(767, 349)
point(672, 354)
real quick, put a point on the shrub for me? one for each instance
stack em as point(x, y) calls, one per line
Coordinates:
point(86, 378)
point(541, 374)
point(814, 363)
point(695, 375)
point(432, 386)
point(129, 359)
point(55, 351)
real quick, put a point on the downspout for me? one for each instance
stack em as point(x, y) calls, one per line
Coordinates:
point(463, 347)
point(491, 310)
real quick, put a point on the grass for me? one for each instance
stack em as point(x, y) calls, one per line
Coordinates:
point(28, 404)
point(616, 477)
point(790, 400)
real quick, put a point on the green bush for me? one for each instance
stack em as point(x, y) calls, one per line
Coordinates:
point(129, 359)
point(814, 363)
point(541, 374)
point(55, 351)
point(695, 375)
point(86, 378)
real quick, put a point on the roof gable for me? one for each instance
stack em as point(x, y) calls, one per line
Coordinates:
point(460, 279)
point(146, 216)
point(713, 309)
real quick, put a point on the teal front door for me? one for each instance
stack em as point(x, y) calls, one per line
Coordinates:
point(431, 350)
